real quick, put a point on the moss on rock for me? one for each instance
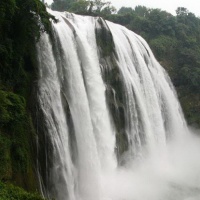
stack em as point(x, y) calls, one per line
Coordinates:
point(11, 192)
point(16, 131)
point(113, 80)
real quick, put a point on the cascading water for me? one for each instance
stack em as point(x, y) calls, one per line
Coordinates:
point(111, 119)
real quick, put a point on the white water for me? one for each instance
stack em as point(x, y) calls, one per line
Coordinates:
point(161, 162)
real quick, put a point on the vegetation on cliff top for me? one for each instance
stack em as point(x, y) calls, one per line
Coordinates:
point(94, 7)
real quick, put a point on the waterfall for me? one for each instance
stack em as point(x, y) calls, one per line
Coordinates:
point(108, 114)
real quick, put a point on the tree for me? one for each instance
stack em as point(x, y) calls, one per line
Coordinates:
point(182, 11)
point(164, 47)
point(141, 11)
point(125, 10)
point(103, 7)
point(80, 7)
point(62, 5)
point(108, 9)
point(96, 7)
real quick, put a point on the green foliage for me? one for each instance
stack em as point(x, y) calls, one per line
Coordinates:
point(5, 159)
point(15, 127)
point(191, 105)
point(62, 5)
point(101, 6)
point(19, 30)
point(141, 11)
point(21, 23)
point(164, 46)
point(80, 7)
point(182, 11)
point(86, 7)
point(125, 10)
point(12, 109)
point(11, 192)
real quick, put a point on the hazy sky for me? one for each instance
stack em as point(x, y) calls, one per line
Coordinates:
point(168, 5)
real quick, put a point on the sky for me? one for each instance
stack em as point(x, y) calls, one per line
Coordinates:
point(168, 5)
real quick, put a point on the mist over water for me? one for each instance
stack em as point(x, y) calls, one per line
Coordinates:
point(171, 176)
point(113, 128)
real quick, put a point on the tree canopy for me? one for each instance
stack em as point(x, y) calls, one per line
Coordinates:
point(95, 7)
